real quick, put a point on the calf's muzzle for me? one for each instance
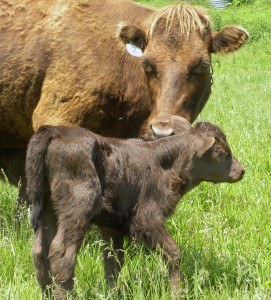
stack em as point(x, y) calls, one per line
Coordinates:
point(237, 171)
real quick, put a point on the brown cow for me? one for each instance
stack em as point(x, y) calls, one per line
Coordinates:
point(126, 187)
point(66, 63)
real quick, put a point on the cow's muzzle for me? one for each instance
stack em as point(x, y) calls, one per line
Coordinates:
point(159, 131)
point(161, 127)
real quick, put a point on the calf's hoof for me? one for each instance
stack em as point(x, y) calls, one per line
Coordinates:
point(61, 294)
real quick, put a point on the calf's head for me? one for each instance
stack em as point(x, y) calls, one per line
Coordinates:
point(175, 46)
point(213, 160)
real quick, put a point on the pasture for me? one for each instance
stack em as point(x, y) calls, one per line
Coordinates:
point(222, 230)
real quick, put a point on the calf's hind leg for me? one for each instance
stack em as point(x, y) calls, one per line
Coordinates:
point(73, 222)
point(43, 238)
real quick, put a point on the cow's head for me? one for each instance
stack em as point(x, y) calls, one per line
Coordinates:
point(175, 47)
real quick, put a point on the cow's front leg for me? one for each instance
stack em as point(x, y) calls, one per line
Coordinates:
point(113, 254)
point(154, 235)
point(12, 163)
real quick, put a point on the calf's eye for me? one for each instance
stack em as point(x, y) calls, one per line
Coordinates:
point(221, 154)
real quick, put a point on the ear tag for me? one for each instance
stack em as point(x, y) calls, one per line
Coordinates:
point(134, 50)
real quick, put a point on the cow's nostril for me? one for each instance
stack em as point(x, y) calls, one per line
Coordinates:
point(243, 173)
point(161, 132)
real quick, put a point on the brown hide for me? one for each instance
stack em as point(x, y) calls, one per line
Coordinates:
point(65, 63)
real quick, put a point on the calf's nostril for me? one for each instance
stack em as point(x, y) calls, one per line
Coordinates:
point(243, 173)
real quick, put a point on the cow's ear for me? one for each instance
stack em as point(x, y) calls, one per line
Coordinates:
point(205, 144)
point(179, 124)
point(229, 39)
point(133, 37)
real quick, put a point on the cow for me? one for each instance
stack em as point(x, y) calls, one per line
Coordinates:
point(128, 188)
point(116, 67)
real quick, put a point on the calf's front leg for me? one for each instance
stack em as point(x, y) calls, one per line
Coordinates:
point(112, 261)
point(154, 235)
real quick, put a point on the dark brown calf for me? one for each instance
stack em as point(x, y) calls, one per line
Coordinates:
point(127, 187)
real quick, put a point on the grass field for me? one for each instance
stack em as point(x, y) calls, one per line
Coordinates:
point(222, 230)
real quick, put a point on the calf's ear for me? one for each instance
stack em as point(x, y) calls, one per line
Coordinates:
point(179, 124)
point(133, 37)
point(228, 39)
point(204, 145)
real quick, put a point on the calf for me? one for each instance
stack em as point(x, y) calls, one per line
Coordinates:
point(126, 187)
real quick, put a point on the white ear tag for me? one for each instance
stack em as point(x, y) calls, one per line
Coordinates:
point(134, 50)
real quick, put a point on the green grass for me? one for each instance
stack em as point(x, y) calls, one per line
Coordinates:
point(222, 230)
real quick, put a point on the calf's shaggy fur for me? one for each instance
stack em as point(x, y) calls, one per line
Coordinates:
point(126, 187)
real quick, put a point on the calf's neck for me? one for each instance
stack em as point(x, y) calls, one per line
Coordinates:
point(126, 187)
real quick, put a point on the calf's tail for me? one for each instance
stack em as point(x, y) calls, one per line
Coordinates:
point(37, 184)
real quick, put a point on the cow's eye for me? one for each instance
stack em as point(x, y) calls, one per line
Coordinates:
point(205, 65)
point(148, 67)
point(201, 67)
